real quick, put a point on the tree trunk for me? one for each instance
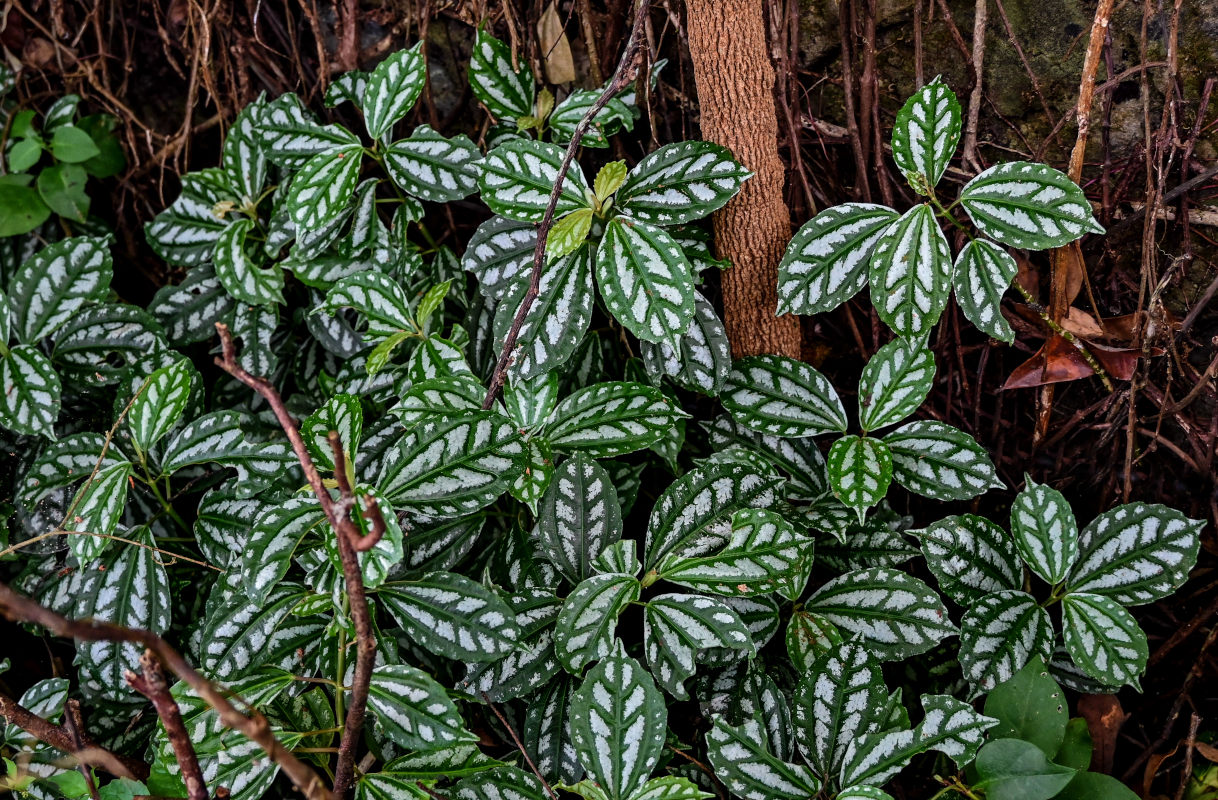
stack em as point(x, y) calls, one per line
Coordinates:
point(735, 82)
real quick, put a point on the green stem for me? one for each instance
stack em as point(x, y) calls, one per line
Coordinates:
point(341, 664)
point(156, 492)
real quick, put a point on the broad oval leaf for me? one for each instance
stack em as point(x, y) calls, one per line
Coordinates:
point(808, 637)
point(413, 710)
point(392, 89)
point(98, 508)
point(579, 516)
point(1013, 769)
point(547, 732)
point(49, 286)
point(703, 358)
point(585, 628)
point(894, 384)
point(343, 414)
point(438, 397)
point(429, 166)
point(782, 397)
point(190, 310)
point(645, 280)
point(290, 136)
point(826, 263)
point(940, 462)
point(925, 135)
point(378, 299)
point(321, 191)
point(1045, 532)
point(240, 273)
point(236, 635)
point(500, 783)
point(505, 91)
point(860, 469)
point(676, 627)
point(970, 557)
point(800, 459)
point(982, 273)
point(840, 698)
point(186, 232)
point(999, 634)
point(160, 404)
point(29, 392)
point(681, 182)
point(557, 320)
point(1028, 205)
point(749, 770)
point(273, 541)
point(1103, 639)
point(64, 462)
point(611, 419)
point(516, 180)
point(453, 616)
point(500, 252)
point(911, 273)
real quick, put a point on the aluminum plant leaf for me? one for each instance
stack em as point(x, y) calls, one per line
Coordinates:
point(618, 723)
point(222, 528)
point(1103, 639)
point(879, 541)
point(911, 273)
point(547, 731)
point(690, 518)
point(839, 699)
point(980, 277)
point(925, 135)
point(862, 792)
point(185, 233)
point(52, 284)
point(1027, 205)
point(323, 188)
point(516, 180)
point(585, 628)
point(190, 310)
point(455, 465)
point(676, 627)
point(894, 384)
point(500, 783)
point(530, 402)
point(800, 459)
point(681, 182)
point(896, 614)
point(378, 298)
point(413, 711)
point(98, 507)
point(342, 414)
point(29, 392)
point(273, 540)
point(765, 553)
point(999, 634)
point(101, 344)
point(219, 437)
point(431, 167)
point(618, 557)
point(670, 787)
point(500, 254)
point(1136, 553)
point(346, 88)
point(579, 517)
point(290, 136)
point(160, 404)
point(557, 320)
point(439, 396)
point(826, 263)
point(1045, 532)
point(808, 637)
point(567, 115)
point(64, 462)
point(749, 770)
point(254, 326)
point(611, 419)
point(453, 616)
point(702, 360)
point(240, 273)
point(949, 726)
point(236, 635)
point(392, 89)
point(781, 396)
point(645, 280)
point(242, 157)
point(970, 557)
point(860, 469)
point(532, 664)
point(940, 462)
point(46, 698)
point(505, 91)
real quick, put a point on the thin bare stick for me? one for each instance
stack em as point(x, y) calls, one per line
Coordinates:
point(74, 724)
point(372, 510)
point(519, 746)
point(980, 18)
point(58, 737)
point(151, 683)
point(626, 71)
point(255, 727)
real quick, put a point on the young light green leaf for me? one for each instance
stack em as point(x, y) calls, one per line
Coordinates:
point(645, 280)
point(159, 406)
point(585, 628)
point(894, 384)
point(322, 190)
point(704, 358)
point(999, 634)
point(1028, 205)
point(557, 320)
point(860, 470)
point(1045, 532)
point(49, 286)
point(29, 392)
point(680, 183)
point(392, 89)
point(568, 233)
point(782, 397)
point(431, 301)
point(516, 180)
point(940, 462)
point(62, 188)
point(981, 275)
point(506, 92)
point(1103, 638)
point(925, 135)
point(676, 627)
point(579, 516)
point(240, 273)
point(911, 273)
point(413, 710)
point(431, 167)
point(841, 698)
point(377, 297)
point(452, 616)
point(749, 770)
point(608, 180)
point(611, 419)
point(970, 557)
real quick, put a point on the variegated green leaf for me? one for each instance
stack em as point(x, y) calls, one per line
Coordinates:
point(342, 414)
point(826, 263)
point(439, 396)
point(749, 770)
point(1045, 532)
point(862, 792)
point(98, 507)
point(532, 664)
point(911, 273)
point(322, 190)
point(1028, 205)
point(501, 783)
point(530, 403)
point(431, 167)
point(860, 470)
point(452, 616)
point(505, 91)
point(940, 462)
point(782, 397)
point(219, 437)
point(535, 476)
point(29, 392)
point(800, 459)
point(45, 698)
point(500, 252)
point(585, 627)
point(808, 637)
point(579, 516)
point(64, 462)
point(190, 310)
point(670, 787)
point(676, 627)
point(895, 613)
point(970, 557)
point(414, 711)
point(290, 136)
point(160, 404)
point(272, 543)
point(49, 286)
point(618, 557)
point(378, 298)
point(557, 320)
point(982, 273)
point(925, 135)
point(703, 358)
point(681, 182)
point(611, 419)
point(567, 115)
point(1103, 639)
point(547, 732)
point(894, 384)
point(645, 280)
point(186, 232)
point(240, 273)
point(392, 89)
point(999, 634)
point(516, 180)
point(400, 778)
point(237, 636)
point(242, 157)
point(841, 698)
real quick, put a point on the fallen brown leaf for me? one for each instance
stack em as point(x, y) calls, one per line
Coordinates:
point(1104, 717)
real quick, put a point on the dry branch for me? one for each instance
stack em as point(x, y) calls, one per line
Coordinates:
point(151, 683)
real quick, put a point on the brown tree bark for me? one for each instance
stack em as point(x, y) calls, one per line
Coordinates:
point(735, 82)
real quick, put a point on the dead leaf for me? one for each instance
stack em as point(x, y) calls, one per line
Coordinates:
point(1068, 271)
point(555, 48)
point(1080, 323)
point(1104, 717)
point(1055, 362)
point(1208, 751)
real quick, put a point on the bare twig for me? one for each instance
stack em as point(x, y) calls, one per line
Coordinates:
point(60, 738)
point(519, 746)
point(626, 71)
point(74, 724)
point(372, 510)
point(151, 683)
point(980, 18)
point(255, 727)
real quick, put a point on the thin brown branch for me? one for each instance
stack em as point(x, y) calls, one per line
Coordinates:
point(626, 71)
point(60, 738)
point(980, 18)
point(151, 683)
point(372, 509)
point(255, 727)
point(519, 746)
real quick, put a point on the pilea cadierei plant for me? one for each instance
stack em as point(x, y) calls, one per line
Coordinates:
point(528, 574)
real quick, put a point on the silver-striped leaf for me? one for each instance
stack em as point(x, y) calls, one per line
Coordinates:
point(911, 273)
point(323, 189)
point(505, 91)
point(273, 540)
point(808, 637)
point(160, 404)
point(290, 135)
point(431, 167)
point(584, 631)
point(392, 89)
point(782, 397)
point(826, 263)
point(500, 251)
point(237, 635)
point(30, 392)
point(841, 698)
point(940, 462)
point(547, 732)
point(1045, 532)
point(860, 469)
point(1103, 639)
point(970, 557)
point(681, 182)
point(530, 402)
point(645, 280)
point(439, 396)
point(413, 711)
point(925, 135)
point(500, 783)
point(190, 310)
point(343, 414)
point(242, 157)
point(1028, 205)
point(999, 634)
point(532, 664)
point(516, 179)
point(980, 277)
point(749, 770)
point(64, 462)
point(98, 507)
point(557, 320)
point(239, 271)
point(53, 283)
point(453, 616)
point(579, 516)
point(378, 298)
point(702, 360)
point(894, 383)
point(676, 627)
point(185, 233)
point(800, 459)
point(222, 528)
point(611, 419)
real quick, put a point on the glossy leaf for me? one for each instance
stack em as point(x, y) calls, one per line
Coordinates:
point(611, 419)
point(413, 710)
point(506, 92)
point(1045, 532)
point(516, 180)
point(840, 698)
point(703, 358)
point(681, 182)
point(160, 404)
point(1103, 639)
point(452, 616)
point(940, 462)
point(860, 470)
point(431, 167)
point(911, 274)
point(782, 397)
point(749, 770)
point(676, 627)
point(29, 392)
point(49, 286)
point(585, 628)
point(981, 275)
point(894, 384)
point(392, 89)
point(1028, 205)
point(579, 516)
point(925, 135)
point(322, 190)
point(999, 634)
point(970, 557)
point(645, 280)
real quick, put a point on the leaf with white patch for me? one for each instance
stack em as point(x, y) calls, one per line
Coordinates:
point(618, 557)
point(980, 277)
point(160, 404)
point(1027, 205)
point(236, 635)
point(190, 310)
point(439, 396)
point(782, 397)
point(530, 403)
point(676, 627)
point(535, 476)
point(547, 732)
point(64, 462)
point(862, 792)
point(341, 414)
point(808, 637)
point(532, 664)
point(29, 392)
point(670, 787)
point(579, 516)
point(455, 465)
point(691, 518)
point(323, 188)
point(925, 135)
point(499, 253)
point(436, 358)
point(618, 723)
point(999, 634)
point(505, 91)
point(895, 613)
point(516, 180)
point(98, 507)
point(242, 157)
point(346, 88)
point(50, 285)
point(949, 726)
point(253, 328)
point(611, 419)
point(239, 271)
point(46, 699)
point(220, 438)
point(894, 384)
point(392, 89)
point(1103, 639)
point(840, 698)
point(645, 280)
point(567, 115)
point(749, 770)
point(585, 627)
point(680, 183)
point(703, 358)
point(826, 263)
point(557, 320)
point(414, 711)
point(431, 167)
point(290, 135)
point(1045, 532)
point(1136, 553)
point(940, 462)
point(911, 273)
point(501, 783)
point(186, 232)
point(800, 459)
point(453, 616)
point(272, 543)
point(378, 298)
point(970, 557)
point(860, 470)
